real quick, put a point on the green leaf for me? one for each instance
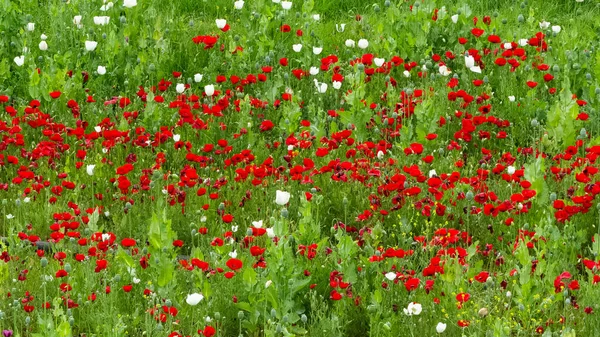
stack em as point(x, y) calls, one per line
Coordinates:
point(271, 296)
point(94, 220)
point(249, 276)
point(64, 329)
point(244, 306)
point(165, 273)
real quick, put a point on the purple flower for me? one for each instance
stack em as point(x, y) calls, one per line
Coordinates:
point(7, 333)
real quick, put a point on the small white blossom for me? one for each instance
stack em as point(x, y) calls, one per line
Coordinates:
point(286, 5)
point(19, 60)
point(90, 169)
point(238, 4)
point(413, 309)
point(90, 45)
point(193, 299)
point(282, 197)
point(390, 276)
point(221, 23)
point(363, 43)
point(209, 90)
point(129, 3)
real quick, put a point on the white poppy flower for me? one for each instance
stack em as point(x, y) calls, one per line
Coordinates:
point(444, 71)
point(413, 309)
point(313, 71)
point(469, 61)
point(406, 73)
point(340, 27)
point(363, 43)
point(316, 17)
point(544, 24)
point(176, 137)
point(19, 60)
point(101, 70)
point(336, 85)
point(454, 18)
point(43, 45)
point(209, 90)
point(286, 5)
point(270, 233)
point(321, 87)
point(180, 88)
point(129, 3)
point(43, 37)
point(90, 45)
point(440, 327)
point(198, 78)
point(556, 29)
point(350, 43)
point(30, 27)
point(507, 45)
point(101, 20)
point(511, 98)
point(90, 169)
point(510, 170)
point(379, 61)
point(390, 276)
point(476, 69)
point(238, 4)
point(257, 224)
point(282, 197)
point(523, 42)
point(317, 50)
point(297, 47)
point(221, 23)
point(194, 299)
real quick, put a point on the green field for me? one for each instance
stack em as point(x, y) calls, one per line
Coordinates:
point(299, 168)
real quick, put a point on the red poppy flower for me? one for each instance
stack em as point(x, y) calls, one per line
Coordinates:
point(208, 331)
point(234, 264)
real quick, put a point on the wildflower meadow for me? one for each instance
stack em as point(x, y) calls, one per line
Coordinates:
point(299, 168)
